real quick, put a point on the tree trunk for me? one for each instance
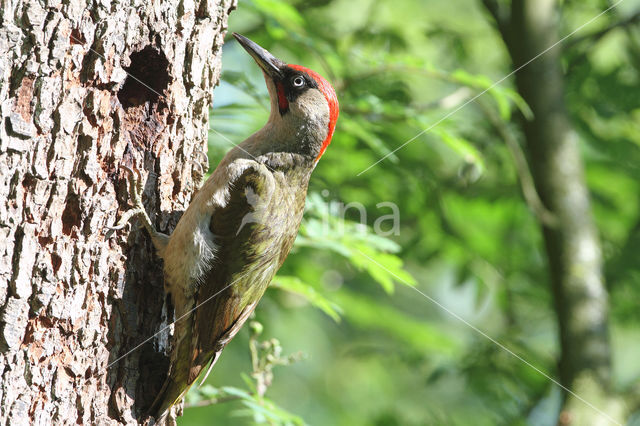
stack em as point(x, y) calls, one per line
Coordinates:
point(75, 298)
point(572, 245)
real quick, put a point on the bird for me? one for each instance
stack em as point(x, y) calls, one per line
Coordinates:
point(241, 224)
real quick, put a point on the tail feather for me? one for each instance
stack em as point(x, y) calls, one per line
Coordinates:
point(211, 364)
point(176, 386)
point(177, 382)
point(170, 394)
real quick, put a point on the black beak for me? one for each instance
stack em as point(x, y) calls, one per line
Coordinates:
point(271, 65)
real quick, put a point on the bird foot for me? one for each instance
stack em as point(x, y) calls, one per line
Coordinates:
point(136, 188)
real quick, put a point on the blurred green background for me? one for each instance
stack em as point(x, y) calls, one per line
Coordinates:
point(376, 352)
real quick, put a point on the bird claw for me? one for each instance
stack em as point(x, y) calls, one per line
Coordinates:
point(126, 217)
point(136, 188)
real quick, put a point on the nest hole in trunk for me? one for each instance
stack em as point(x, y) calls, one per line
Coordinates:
point(148, 77)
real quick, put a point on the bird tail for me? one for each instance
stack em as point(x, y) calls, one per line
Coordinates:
point(170, 394)
point(175, 387)
point(187, 362)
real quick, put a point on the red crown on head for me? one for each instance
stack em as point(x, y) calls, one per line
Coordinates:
point(332, 100)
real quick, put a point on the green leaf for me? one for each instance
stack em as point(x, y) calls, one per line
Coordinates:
point(385, 268)
point(241, 393)
point(502, 101)
point(520, 103)
point(251, 384)
point(363, 131)
point(354, 241)
point(265, 411)
point(501, 95)
point(297, 286)
point(462, 147)
point(474, 81)
point(281, 12)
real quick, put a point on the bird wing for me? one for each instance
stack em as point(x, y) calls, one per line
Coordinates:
point(240, 272)
point(228, 294)
point(232, 286)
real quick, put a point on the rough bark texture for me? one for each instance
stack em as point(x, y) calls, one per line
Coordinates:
point(75, 297)
point(573, 248)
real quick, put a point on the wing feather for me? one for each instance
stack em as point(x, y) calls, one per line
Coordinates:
point(254, 230)
point(236, 280)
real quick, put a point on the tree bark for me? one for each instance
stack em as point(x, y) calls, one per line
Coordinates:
point(572, 245)
point(75, 297)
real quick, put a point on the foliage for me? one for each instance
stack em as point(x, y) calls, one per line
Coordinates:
point(467, 237)
point(265, 356)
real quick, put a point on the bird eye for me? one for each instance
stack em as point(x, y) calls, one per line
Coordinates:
point(298, 81)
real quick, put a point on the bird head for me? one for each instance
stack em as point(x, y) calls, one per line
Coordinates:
point(304, 106)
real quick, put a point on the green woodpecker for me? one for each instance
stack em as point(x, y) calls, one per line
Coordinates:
point(241, 224)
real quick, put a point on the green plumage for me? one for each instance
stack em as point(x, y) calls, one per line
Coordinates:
point(254, 233)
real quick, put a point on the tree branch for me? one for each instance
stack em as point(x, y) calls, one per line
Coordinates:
point(529, 191)
point(574, 252)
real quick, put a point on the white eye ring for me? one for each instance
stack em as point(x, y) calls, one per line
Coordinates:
point(298, 81)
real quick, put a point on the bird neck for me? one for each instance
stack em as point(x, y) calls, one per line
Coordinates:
point(288, 163)
point(281, 143)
